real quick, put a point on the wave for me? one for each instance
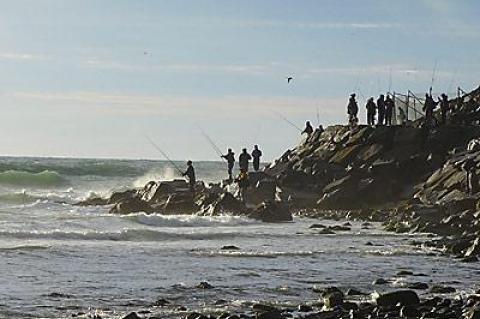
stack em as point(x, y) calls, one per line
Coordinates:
point(24, 179)
point(124, 235)
point(256, 254)
point(24, 248)
point(19, 198)
point(188, 220)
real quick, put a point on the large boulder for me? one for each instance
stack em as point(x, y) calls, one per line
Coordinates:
point(272, 212)
point(131, 205)
point(401, 297)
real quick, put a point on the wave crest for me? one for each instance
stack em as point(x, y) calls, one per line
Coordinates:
point(26, 179)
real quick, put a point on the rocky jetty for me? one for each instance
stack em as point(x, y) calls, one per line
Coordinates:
point(174, 198)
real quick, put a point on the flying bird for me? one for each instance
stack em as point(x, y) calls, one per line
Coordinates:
point(289, 79)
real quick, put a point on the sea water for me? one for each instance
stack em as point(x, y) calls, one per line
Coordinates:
point(58, 259)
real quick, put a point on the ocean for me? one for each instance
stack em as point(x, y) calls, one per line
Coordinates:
point(59, 260)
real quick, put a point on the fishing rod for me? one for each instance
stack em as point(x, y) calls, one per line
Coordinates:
point(389, 79)
point(164, 154)
point(288, 121)
point(318, 117)
point(433, 75)
point(212, 144)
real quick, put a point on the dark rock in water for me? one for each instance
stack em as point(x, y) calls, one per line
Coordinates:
point(161, 303)
point(221, 302)
point(228, 204)
point(132, 315)
point(323, 315)
point(380, 281)
point(355, 292)
point(410, 312)
point(404, 273)
point(402, 297)
point(204, 285)
point(272, 212)
point(442, 290)
point(230, 247)
point(132, 205)
point(339, 228)
point(258, 307)
point(469, 259)
point(181, 308)
point(417, 286)
point(274, 314)
point(118, 197)
point(326, 231)
point(333, 299)
point(304, 308)
point(369, 243)
point(179, 203)
point(313, 226)
point(95, 201)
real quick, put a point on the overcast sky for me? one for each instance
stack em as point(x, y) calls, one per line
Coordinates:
point(91, 78)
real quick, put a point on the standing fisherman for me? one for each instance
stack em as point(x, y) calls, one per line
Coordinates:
point(243, 160)
point(190, 173)
point(308, 129)
point(230, 157)
point(389, 107)
point(381, 109)
point(352, 110)
point(370, 106)
point(429, 107)
point(256, 154)
point(444, 108)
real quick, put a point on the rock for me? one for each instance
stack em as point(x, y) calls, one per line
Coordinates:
point(304, 308)
point(442, 290)
point(333, 299)
point(274, 314)
point(410, 312)
point(473, 313)
point(469, 259)
point(221, 302)
point(380, 281)
point(118, 197)
point(313, 226)
point(339, 228)
point(204, 285)
point(402, 297)
point(417, 286)
point(354, 292)
point(326, 231)
point(272, 212)
point(263, 308)
point(230, 247)
point(161, 303)
point(474, 249)
point(132, 315)
point(404, 273)
point(228, 204)
point(132, 205)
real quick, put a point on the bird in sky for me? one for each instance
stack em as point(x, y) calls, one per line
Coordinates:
point(289, 79)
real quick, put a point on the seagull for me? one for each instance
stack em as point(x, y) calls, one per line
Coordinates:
point(289, 79)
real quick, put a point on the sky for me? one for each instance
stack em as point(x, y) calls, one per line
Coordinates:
point(96, 78)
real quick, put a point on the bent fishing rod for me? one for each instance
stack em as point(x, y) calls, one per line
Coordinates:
point(287, 120)
point(163, 154)
point(212, 143)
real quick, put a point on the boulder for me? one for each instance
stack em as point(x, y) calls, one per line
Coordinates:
point(272, 212)
point(132, 205)
point(401, 297)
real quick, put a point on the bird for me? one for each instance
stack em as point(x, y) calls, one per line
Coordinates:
point(289, 79)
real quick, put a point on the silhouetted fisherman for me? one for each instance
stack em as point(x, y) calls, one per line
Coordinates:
point(256, 154)
point(389, 107)
point(190, 173)
point(370, 106)
point(308, 129)
point(470, 168)
point(429, 107)
point(444, 108)
point(352, 110)
point(381, 109)
point(243, 160)
point(230, 158)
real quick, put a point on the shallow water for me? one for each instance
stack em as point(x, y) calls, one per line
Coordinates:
point(58, 259)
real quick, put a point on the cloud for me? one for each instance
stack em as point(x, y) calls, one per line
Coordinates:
point(133, 104)
point(21, 56)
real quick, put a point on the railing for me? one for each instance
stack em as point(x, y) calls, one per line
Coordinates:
point(410, 104)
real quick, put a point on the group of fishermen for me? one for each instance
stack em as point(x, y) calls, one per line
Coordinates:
point(243, 161)
point(384, 107)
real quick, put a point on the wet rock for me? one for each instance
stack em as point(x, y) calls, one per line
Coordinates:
point(228, 204)
point(332, 299)
point(132, 315)
point(161, 303)
point(272, 212)
point(221, 302)
point(417, 286)
point(442, 290)
point(380, 281)
point(403, 273)
point(314, 226)
point(326, 231)
point(204, 285)
point(355, 292)
point(274, 314)
point(230, 247)
point(401, 297)
point(118, 197)
point(132, 205)
point(469, 259)
point(473, 313)
point(304, 308)
point(339, 228)
point(410, 312)
point(258, 307)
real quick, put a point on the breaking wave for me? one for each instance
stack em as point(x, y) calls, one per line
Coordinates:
point(124, 235)
point(43, 179)
point(256, 254)
point(188, 220)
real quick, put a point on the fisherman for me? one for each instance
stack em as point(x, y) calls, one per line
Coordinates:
point(243, 160)
point(389, 107)
point(190, 173)
point(402, 116)
point(471, 174)
point(352, 110)
point(243, 183)
point(428, 108)
point(230, 157)
point(256, 154)
point(370, 106)
point(308, 129)
point(381, 109)
point(444, 107)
